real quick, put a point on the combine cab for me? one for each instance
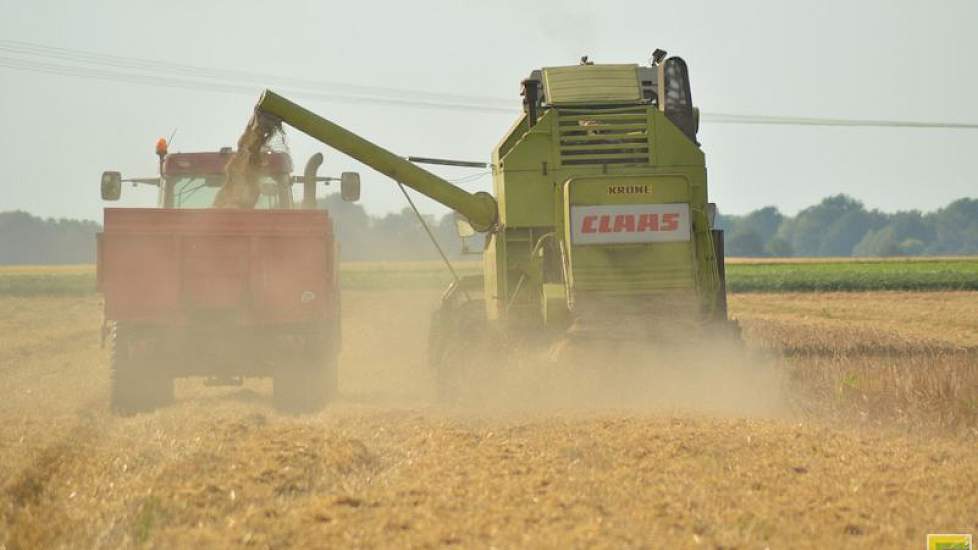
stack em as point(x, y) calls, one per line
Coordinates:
point(600, 225)
point(220, 293)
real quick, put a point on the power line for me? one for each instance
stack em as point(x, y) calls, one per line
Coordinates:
point(261, 79)
point(723, 118)
point(95, 66)
point(187, 84)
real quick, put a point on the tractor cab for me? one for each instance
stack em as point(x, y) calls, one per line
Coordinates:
point(192, 180)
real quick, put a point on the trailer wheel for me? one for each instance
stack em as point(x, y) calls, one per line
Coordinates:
point(137, 384)
point(308, 379)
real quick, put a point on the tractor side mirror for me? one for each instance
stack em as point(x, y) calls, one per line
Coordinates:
point(463, 228)
point(350, 186)
point(111, 186)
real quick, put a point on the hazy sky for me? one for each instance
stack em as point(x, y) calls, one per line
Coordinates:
point(893, 60)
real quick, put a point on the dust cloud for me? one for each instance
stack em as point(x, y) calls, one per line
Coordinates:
point(712, 374)
point(714, 378)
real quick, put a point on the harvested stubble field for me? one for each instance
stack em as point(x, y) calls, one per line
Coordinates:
point(873, 442)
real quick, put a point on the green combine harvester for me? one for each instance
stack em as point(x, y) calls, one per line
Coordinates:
point(600, 224)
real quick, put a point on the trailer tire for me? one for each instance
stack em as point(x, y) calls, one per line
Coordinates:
point(136, 383)
point(309, 380)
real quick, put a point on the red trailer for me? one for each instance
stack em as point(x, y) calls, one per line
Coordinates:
point(221, 293)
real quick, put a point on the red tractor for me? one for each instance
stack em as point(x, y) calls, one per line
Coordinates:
point(222, 294)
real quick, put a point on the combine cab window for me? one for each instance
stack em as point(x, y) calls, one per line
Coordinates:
point(199, 192)
point(678, 99)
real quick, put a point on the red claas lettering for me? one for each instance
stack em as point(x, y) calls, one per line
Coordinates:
point(587, 224)
point(624, 222)
point(630, 223)
point(670, 222)
point(648, 222)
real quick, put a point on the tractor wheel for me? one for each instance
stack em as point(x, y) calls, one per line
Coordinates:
point(457, 350)
point(307, 380)
point(137, 384)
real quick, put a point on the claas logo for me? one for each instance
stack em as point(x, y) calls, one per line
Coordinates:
point(629, 223)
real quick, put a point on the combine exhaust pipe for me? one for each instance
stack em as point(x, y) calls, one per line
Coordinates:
point(479, 208)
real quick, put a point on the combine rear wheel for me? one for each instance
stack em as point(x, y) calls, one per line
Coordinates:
point(137, 383)
point(308, 378)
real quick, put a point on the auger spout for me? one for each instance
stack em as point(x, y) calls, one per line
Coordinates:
point(479, 208)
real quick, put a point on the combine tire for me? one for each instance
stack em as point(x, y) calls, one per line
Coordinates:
point(457, 350)
point(307, 381)
point(137, 384)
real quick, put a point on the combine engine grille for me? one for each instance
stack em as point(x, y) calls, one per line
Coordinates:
point(610, 136)
point(643, 277)
point(666, 317)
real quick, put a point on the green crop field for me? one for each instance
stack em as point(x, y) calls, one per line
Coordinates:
point(853, 275)
point(47, 280)
point(743, 275)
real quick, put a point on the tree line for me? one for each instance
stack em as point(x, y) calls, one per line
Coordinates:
point(27, 239)
point(837, 226)
point(842, 226)
point(394, 236)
